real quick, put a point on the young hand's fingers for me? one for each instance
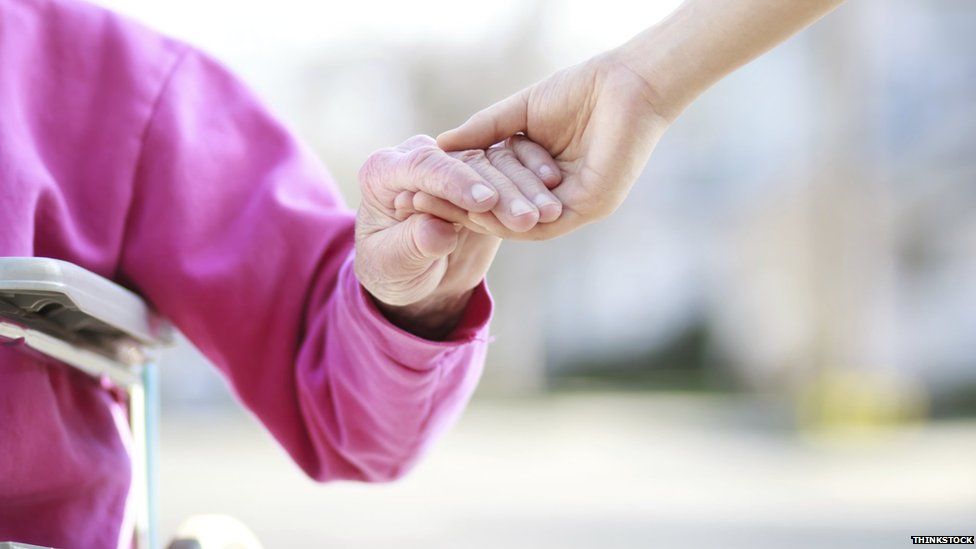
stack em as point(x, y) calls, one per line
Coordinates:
point(535, 157)
point(425, 203)
point(505, 161)
point(568, 221)
point(491, 225)
point(489, 126)
point(389, 172)
point(408, 203)
point(513, 209)
point(481, 228)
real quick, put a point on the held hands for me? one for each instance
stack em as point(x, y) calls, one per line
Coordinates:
point(570, 149)
point(600, 120)
point(430, 221)
point(421, 268)
point(563, 153)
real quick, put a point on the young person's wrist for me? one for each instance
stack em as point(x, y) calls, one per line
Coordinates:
point(653, 56)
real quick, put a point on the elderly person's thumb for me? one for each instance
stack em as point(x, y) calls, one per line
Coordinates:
point(397, 267)
point(426, 238)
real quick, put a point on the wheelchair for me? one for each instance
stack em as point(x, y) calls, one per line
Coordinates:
point(83, 320)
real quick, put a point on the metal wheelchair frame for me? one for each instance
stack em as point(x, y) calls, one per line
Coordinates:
point(83, 320)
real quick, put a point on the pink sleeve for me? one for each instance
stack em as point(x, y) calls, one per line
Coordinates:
point(237, 234)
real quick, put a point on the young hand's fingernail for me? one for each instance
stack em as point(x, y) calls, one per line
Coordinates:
point(519, 207)
point(545, 171)
point(542, 199)
point(480, 192)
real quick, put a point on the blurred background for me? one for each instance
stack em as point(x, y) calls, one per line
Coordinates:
point(773, 342)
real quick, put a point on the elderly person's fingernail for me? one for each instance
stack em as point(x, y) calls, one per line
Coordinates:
point(545, 172)
point(481, 193)
point(520, 207)
point(542, 200)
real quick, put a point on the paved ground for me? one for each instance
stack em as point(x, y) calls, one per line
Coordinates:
point(593, 471)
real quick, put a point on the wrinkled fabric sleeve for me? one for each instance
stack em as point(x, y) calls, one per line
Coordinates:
point(238, 235)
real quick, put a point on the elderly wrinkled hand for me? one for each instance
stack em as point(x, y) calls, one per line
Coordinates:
point(413, 253)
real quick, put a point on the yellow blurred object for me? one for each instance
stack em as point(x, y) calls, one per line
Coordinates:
point(858, 402)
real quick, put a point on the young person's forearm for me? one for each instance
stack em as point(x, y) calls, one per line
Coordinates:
point(704, 40)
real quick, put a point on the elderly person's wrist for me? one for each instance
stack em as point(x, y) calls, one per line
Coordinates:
point(433, 317)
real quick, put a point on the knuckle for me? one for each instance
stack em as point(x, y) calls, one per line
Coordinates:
point(419, 140)
point(369, 167)
point(506, 160)
point(373, 168)
point(435, 169)
point(471, 156)
point(424, 157)
point(500, 154)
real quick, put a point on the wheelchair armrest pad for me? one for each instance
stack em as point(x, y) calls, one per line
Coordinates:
point(78, 299)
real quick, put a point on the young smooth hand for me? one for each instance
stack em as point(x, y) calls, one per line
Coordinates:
point(601, 119)
point(599, 122)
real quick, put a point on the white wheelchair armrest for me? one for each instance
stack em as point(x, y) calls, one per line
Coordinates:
point(76, 300)
point(86, 321)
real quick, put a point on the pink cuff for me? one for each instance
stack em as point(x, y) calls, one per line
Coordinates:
point(405, 347)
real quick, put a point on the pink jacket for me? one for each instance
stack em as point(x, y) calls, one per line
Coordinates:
point(146, 162)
